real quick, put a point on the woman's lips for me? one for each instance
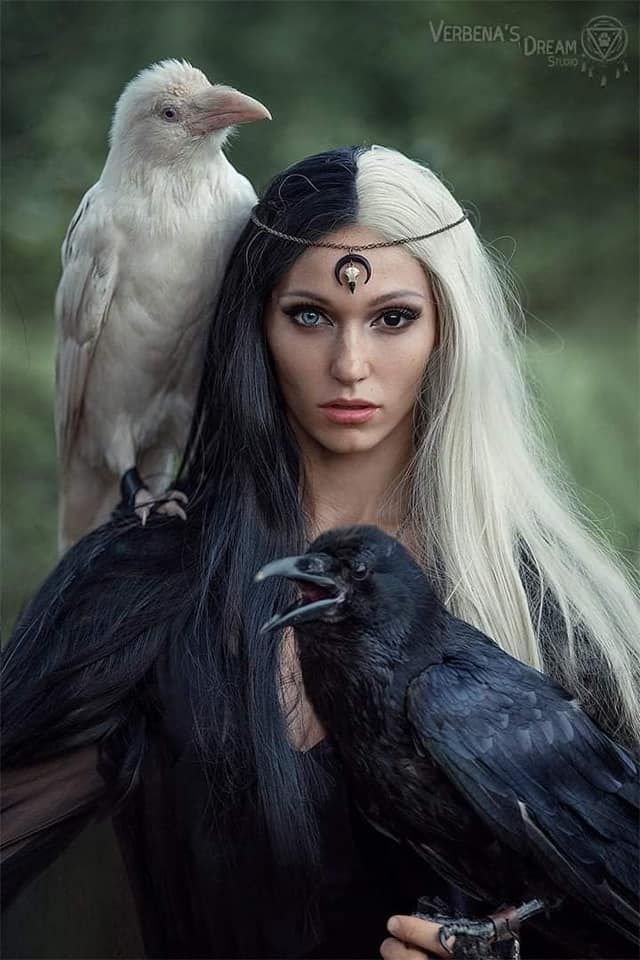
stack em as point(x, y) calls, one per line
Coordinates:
point(348, 414)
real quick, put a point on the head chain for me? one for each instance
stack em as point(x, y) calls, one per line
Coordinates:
point(342, 246)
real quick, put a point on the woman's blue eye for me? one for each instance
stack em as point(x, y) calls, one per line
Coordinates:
point(301, 313)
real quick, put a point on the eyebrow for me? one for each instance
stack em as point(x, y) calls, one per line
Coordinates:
point(384, 298)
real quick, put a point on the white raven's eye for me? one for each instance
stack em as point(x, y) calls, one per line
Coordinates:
point(170, 114)
point(359, 571)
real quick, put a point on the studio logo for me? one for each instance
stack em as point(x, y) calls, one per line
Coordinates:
point(598, 49)
point(604, 41)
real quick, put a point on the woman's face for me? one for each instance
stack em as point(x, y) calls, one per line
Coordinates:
point(370, 345)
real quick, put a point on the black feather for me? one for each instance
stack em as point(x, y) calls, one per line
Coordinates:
point(485, 766)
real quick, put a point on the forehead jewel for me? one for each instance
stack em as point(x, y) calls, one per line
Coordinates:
point(347, 268)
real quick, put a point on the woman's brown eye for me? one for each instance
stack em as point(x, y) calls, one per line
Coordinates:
point(401, 319)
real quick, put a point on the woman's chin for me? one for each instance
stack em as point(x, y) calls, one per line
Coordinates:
point(337, 438)
point(352, 443)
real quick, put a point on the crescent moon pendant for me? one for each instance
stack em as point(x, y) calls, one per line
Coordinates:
point(348, 260)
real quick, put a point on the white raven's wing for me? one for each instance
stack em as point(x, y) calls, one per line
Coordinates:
point(85, 291)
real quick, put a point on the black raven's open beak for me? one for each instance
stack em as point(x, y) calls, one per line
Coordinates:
point(321, 592)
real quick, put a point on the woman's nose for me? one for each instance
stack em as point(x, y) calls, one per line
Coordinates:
point(349, 362)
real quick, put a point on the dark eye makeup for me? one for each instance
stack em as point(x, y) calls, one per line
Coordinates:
point(403, 313)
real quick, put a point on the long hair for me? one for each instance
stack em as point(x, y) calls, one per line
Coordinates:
point(241, 472)
point(494, 524)
point(486, 498)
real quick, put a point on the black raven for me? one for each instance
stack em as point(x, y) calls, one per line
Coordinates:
point(483, 765)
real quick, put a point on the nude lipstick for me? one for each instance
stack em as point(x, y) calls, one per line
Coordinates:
point(349, 411)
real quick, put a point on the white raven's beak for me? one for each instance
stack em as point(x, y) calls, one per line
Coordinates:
point(222, 107)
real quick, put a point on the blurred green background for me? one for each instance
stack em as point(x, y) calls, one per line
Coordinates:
point(546, 155)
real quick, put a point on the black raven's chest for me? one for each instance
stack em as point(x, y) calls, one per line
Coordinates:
point(404, 793)
point(392, 782)
point(398, 789)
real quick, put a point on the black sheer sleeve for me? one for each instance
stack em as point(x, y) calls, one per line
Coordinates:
point(74, 675)
point(44, 806)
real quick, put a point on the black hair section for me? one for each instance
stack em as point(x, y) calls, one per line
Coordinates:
point(77, 663)
point(242, 474)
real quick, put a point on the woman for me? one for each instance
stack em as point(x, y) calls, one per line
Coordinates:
point(136, 683)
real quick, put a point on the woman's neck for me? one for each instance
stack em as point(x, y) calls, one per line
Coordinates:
point(353, 488)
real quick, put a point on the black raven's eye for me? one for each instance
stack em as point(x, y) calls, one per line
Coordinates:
point(170, 114)
point(359, 571)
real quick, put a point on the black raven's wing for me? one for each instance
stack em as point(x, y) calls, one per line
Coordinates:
point(535, 767)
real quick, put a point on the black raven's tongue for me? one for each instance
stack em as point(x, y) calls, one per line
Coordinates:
point(311, 592)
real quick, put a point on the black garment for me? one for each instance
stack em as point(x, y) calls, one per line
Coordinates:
point(186, 911)
point(186, 904)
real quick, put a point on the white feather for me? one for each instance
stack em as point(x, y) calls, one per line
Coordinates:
point(142, 263)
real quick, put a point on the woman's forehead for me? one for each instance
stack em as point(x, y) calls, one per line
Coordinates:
point(389, 265)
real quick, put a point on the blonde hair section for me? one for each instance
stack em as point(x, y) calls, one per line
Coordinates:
point(483, 483)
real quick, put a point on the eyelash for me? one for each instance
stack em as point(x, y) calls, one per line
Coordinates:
point(407, 313)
